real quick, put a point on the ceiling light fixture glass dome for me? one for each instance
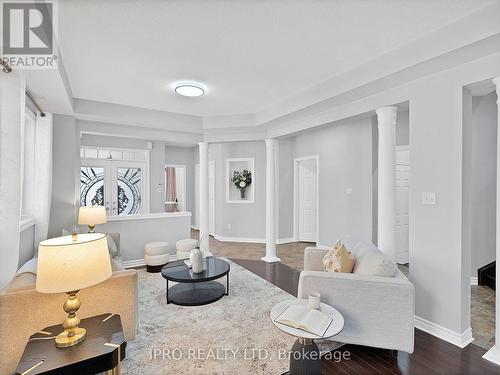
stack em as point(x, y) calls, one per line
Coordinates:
point(189, 89)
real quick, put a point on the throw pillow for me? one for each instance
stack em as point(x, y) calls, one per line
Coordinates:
point(339, 259)
point(374, 262)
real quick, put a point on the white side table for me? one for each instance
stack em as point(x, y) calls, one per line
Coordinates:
point(305, 355)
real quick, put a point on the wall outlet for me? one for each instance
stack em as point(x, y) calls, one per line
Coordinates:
point(229, 227)
point(429, 198)
point(348, 191)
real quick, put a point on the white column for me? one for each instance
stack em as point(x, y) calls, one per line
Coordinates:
point(493, 354)
point(270, 195)
point(203, 199)
point(386, 118)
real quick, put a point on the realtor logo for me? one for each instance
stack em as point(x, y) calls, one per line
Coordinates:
point(28, 31)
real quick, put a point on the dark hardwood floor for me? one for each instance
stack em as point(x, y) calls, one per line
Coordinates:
point(432, 356)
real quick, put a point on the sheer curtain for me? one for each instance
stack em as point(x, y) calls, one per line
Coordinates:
point(12, 103)
point(42, 176)
point(170, 190)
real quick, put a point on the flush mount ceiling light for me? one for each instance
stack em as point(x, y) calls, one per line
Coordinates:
point(189, 89)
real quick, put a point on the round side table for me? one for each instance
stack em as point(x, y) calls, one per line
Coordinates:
point(306, 360)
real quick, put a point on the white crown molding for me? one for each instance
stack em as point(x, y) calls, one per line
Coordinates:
point(135, 116)
point(459, 339)
point(430, 47)
point(349, 94)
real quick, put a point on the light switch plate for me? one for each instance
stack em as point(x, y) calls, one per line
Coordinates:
point(348, 191)
point(429, 198)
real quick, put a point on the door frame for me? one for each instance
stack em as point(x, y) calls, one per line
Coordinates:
point(296, 162)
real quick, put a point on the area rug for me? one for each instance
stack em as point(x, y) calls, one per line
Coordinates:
point(231, 336)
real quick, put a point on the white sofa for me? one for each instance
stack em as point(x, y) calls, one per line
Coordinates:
point(378, 310)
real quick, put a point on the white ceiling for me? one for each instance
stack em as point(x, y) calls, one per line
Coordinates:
point(250, 54)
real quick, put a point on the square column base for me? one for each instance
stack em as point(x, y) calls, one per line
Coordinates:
point(493, 355)
point(270, 259)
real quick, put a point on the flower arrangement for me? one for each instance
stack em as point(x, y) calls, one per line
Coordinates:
point(242, 179)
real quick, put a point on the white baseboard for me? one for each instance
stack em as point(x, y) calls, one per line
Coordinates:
point(133, 263)
point(140, 262)
point(473, 280)
point(279, 241)
point(239, 239)
point(493, 355)
point(459, 339)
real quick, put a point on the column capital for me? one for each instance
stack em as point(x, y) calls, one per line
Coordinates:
point(496, 81)
point(271, 141)
point(386, 116)
point(202, 144)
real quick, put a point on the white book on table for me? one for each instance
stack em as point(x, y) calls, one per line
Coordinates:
point(309, 320)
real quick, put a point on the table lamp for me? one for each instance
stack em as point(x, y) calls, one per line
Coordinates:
point(68, 264)
point(91, 216)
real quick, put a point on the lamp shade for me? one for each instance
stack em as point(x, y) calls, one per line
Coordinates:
point(72, 263)
point(91, 215)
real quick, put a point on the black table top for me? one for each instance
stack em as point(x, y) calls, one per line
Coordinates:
point(97, 353)
point(179, 272)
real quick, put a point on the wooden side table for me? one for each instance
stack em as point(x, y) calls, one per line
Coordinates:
point(101, 351)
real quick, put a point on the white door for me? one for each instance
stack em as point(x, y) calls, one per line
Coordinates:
point(402, 204)
point(307, 200)
point(211, 197)
point(120, 186)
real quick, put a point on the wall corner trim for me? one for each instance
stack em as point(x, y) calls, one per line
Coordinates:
point(459, 339)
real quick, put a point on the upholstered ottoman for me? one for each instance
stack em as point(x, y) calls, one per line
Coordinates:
point(156, 255)
point(184, 247)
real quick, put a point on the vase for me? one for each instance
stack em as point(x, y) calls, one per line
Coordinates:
point(243, 193)
point(196, 260)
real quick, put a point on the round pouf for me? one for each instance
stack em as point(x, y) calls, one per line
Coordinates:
point(184, 247)
point(156, 255)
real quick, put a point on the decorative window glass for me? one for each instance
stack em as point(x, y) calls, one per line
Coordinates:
point(91, 186)
point(129, 190)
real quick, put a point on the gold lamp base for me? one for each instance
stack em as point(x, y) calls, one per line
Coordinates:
point(72, 334)
point(63, 340)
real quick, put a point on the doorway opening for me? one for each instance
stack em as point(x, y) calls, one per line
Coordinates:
point(306, 198)
point(479, 189)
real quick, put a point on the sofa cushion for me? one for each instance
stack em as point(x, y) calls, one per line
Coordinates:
point(372, 261)
point(112, 248)
point(23, 281)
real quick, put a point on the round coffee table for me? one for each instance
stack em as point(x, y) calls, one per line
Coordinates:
point(195, 289)
point(307, 360)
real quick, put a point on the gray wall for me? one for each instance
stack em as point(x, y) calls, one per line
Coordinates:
point(157, 177)
point(184, 156)
point(403, 128)
point(66, 160)
point(135, 233)
point(245, 220)
point(113, 142)
point(345, 161)
point(26, 245)
point(483, 181)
